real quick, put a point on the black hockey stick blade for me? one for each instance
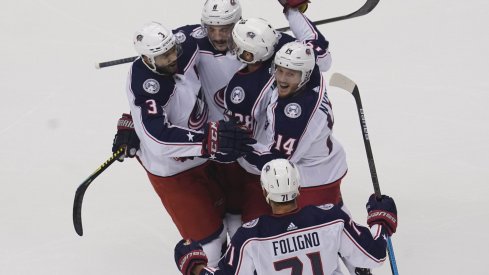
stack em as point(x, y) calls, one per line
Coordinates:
point(363, 10)
point(80, 191)
point(115, 62)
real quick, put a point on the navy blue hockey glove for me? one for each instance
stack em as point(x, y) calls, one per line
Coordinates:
point(227, 138)
point(382, 211)
point(126, 137)
point(189, 254)
point(301, 5)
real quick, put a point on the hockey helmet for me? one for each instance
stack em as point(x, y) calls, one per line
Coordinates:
point(280, 179)
point(297, 56)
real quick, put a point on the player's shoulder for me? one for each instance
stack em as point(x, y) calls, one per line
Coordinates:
point(283, 39)
point(147, 83)
point(247, 231)
point(198, 34)
point(185, 39)
point(187, 30)
point(325, 213)
point(300, 106)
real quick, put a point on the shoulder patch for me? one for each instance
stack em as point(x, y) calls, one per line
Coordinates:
point(293, 110)
point(198, 33)
point(327, 206)
point(237, 95)
point(251, 224)
point(180, 37)
point(151, 86)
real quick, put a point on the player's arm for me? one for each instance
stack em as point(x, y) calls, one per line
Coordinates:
point(304, 30)
point(364, 247)
point(189, 260)
point(159, 134)
point(293, 127)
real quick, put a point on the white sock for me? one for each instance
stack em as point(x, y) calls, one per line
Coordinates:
point(213, 249)
point(232, 222)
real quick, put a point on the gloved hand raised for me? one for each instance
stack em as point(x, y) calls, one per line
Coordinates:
point(382, 211)
point(126, 137)
point(301, 5)
point(188, 255)
point(227, 138)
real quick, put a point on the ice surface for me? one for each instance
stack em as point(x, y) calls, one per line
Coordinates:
point(422, 71)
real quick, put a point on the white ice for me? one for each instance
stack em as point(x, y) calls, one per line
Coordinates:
point(422, 71)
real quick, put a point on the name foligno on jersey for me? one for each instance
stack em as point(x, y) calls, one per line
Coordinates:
point(295, 243)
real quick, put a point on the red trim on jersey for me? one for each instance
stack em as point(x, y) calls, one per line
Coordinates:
point(311, 26)
point(191, 62)
point(258, 99)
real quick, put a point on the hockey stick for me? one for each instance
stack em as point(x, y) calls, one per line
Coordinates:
point(363, 10)
point(80, 191)
point(343, 82)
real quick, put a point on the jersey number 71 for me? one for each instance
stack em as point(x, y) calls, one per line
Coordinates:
point(296, 265)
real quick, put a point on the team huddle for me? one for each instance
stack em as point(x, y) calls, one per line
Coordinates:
point(232, 122)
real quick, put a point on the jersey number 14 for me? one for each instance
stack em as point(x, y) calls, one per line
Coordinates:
point(287, 147)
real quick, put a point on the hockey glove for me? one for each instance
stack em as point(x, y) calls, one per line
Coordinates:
point(301, 5)
point(126, 137)
point(227, 138)
point(382, 211)
point(188, 255)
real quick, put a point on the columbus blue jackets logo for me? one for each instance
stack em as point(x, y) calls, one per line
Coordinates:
point(199, 114)
point(327, 206)
point(180, 37)
point(251, 224)
point(293, 110)
point(198, 33)
point(237, 95)
point(151, 86)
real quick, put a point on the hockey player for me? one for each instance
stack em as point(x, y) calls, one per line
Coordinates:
point(170, 119)
point(296, 240)
point(215, 68)
point(298, 126)
point(218, 67)
point(249, 91)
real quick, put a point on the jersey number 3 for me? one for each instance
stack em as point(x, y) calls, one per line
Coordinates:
point(296, 265)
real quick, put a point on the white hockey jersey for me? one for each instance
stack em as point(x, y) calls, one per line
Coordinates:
point(299, 128)
point(215, 69)
point(169, 112)
point(306, 241)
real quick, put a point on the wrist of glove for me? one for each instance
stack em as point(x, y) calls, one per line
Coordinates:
point(226, 138)
point(382, 211)
point(300, 5)
point(188, 255)
point(126, 137)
